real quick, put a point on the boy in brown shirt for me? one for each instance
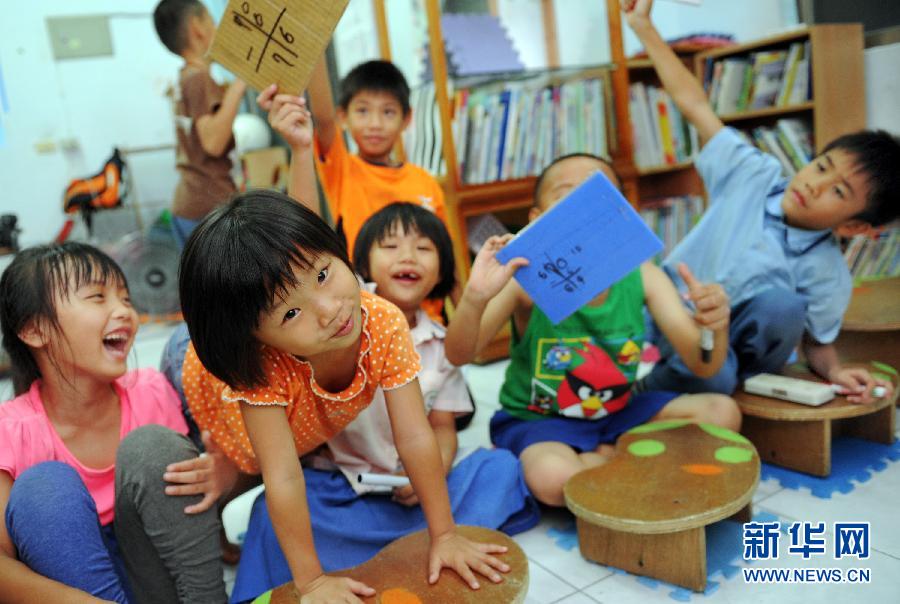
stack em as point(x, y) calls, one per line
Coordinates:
point(204, 114)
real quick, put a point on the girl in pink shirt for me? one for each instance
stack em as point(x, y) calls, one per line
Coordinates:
point(86, 446)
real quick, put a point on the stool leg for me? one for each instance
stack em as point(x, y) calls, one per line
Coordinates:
point(877, 427)
point(803, 446)
point(745, 514)
point(678, 558)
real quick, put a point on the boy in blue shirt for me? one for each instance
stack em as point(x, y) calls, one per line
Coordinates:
point(771, 242)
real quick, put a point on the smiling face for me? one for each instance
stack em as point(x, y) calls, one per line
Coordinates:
point(826, 193)
point(375, 120)
point(97, 325)
point(406, 267)
point(320, 315)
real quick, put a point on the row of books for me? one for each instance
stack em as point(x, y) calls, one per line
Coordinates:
point(790, 141)
point(671, 218)
point(517, 129)
point(874, 258)
point(661, 135)
point(771, 78)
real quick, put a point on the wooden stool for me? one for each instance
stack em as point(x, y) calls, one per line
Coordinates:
point(645, 510)
point(798, 436)
point(871, 328)
point(399, 574)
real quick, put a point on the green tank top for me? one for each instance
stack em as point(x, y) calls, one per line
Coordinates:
point(583, 367)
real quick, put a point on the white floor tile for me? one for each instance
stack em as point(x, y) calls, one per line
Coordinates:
point(577, 598)
point(544, 587)
point(554, 545)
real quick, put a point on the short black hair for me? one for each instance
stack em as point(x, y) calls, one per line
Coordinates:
point(540, 179)
point(375, 76)
point(234, 266)
point(30, 287)
point(408, 216)
point(171, 18)
point(877, 154)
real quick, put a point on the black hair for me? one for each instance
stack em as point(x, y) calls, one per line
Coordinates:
point(408, 216)
point(31, 285)
point(171, 21)
point(877, 154)
point(375, 76)
point(540, 179)
point(234, 266)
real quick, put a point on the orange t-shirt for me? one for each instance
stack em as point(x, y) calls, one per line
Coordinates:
point(387, 359)
point(357, 189)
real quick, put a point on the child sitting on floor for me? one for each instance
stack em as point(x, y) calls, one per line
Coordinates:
point(566, 397)
point(771, 241)
point(86, 445)
point(406, 251)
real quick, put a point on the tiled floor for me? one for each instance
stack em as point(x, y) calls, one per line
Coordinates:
point(558, 573)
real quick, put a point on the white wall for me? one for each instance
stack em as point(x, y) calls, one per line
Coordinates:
point(95, 103)
point(883, 87)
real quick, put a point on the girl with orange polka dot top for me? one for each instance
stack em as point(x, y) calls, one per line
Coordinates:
point(286, 350)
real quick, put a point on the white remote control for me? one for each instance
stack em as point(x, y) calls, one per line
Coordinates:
point(790, 389)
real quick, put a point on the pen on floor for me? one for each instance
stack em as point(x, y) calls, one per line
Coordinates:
point(877, 391)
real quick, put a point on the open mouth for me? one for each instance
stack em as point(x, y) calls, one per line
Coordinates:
point(406, 277)
point(116, 342)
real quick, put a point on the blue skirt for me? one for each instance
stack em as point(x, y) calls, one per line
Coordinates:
point(486, 489)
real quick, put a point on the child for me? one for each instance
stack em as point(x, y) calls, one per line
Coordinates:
point(204, 114)
point(287, 355)
point(771, 241)
point(582, 368)
point(406, 251)
point(78, 452)
point(374, 107)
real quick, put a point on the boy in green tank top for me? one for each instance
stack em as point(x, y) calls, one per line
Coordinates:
point(567, 393)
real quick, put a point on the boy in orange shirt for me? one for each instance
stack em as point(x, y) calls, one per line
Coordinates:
point(374, 107)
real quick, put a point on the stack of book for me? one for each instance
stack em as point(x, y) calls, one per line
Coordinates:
point(874, 258)
point(790, 141)
point(514, 130)
point(671, 218)
point(661, 135)
point(771, 78)
point(422, 139)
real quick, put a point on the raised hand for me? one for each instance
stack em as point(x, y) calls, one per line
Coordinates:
point(288, 116)
point(636, 10)
point(488, 276)
point(210, 474)
point(712, 307)
point(452, 550)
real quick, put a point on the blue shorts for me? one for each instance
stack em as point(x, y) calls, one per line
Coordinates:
point(509, 432)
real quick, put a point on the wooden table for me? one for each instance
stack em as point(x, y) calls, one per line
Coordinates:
point(645, 511)
point(399, 574)
point(871, 328)
point(798, 436)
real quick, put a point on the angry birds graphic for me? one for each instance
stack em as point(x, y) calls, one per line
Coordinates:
point(595, 388)
point(629, 354)
point(558, 358)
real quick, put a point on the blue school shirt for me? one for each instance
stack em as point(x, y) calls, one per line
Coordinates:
point(743, 243)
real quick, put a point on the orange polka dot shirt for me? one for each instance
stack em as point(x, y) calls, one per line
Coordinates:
point(387, 359)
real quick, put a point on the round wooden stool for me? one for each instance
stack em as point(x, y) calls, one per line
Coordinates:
point(645, 510)
point(399, 574)
point(798, 437)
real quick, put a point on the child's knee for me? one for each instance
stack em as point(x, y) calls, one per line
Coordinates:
point(722, 411)
point(45, 491)
point(151, 448)
point(547, 467)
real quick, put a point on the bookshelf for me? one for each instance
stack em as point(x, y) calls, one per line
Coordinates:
point(835, 99)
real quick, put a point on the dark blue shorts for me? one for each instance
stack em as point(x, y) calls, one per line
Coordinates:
point(508, 432)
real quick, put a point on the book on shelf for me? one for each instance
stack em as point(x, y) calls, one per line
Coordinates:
point(513, 130)
point(789, 141)
point(869, 258)
point(661, 134)
point(671, 218)
point(422, 139)
point(770, 78)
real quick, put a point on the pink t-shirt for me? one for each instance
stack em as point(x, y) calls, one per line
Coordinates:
point(28, 438)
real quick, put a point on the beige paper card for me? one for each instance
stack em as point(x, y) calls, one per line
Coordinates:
point(275, 41)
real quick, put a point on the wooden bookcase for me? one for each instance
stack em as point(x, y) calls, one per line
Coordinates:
point(837, 107)
point(837, 69)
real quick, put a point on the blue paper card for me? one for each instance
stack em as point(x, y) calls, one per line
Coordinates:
point(580, 247)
